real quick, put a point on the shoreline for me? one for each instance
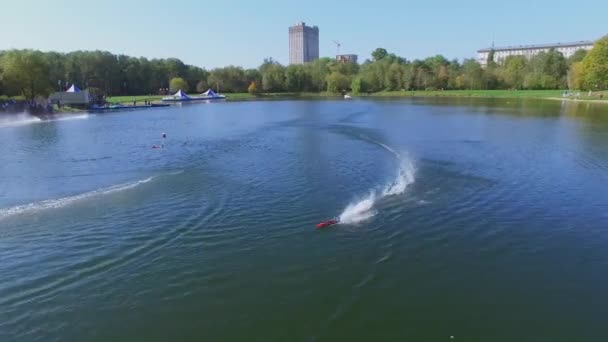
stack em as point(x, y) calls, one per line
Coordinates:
point(270, 97)
point(551, 95)
point(577, 100)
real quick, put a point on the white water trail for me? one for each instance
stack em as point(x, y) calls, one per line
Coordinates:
point(66, 117)
point(360, 210)
point(62, 202)
point(11, 120)
point(363, 209)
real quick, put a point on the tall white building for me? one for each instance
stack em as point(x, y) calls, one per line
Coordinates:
point(303, 43)
point(500, 53)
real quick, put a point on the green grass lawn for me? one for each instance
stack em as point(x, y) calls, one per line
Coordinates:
point(229, 97)
point(156, 98)
point(417, 93)
point(129, 99)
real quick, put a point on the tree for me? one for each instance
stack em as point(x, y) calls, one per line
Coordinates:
point(595, 66)
point(202, 86)
point(547, 70)
point(513, 71)
point(472, 74)
point(578, 56)
point(318, 71)
point(357, 85)
point(422, 75)
point(296, 78)
point(230, 79)
point(178, 83)
point(273, 78)
point(442, 77)
point(175, 68)
point(27, 73)
point(252, 89)
point(408, 76)
point(195, 74)
point(253, 75)
point(576, 76)
point(453, 75)
point(394, 77)
point(2, 91)
point(490, 61)
point(348, 68)
point(379, 53)
point(336, 82)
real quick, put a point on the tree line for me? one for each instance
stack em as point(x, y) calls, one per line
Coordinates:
point(30, 73)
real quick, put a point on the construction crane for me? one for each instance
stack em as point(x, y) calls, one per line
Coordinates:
point(337, 47)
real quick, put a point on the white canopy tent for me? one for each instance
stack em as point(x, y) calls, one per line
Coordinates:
point(73, 89)
point(181, 94)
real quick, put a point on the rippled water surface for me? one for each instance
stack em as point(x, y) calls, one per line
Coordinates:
point(472, 220)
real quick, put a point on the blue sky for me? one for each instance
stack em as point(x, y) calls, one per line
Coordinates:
point(243, 32)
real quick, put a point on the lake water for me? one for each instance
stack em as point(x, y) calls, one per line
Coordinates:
point(461, 220)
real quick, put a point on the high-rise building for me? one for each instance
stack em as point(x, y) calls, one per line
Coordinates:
point(303, 43)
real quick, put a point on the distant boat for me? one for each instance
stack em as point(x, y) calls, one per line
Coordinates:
point(181, 96)
point(347, 96)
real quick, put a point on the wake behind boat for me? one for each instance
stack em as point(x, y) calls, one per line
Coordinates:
point(181, 96)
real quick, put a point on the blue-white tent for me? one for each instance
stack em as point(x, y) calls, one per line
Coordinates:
point(181, 94)
point(73, 89)
point(210, 92)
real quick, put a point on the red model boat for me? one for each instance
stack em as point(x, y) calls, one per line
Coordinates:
point(326, 223)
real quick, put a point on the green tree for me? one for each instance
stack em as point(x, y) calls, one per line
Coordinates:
point(453, 74)
point(230, 79)
point(357, 85)
point(491, 77)
point(318, 71)
point(423, 76)
point(253, 75)
point(195, 74)
point(394, 77)
point(273, 78)
point(336, 82)
point(490, 61)
point(436, 67)
point(578, 56)
point(26, 72)
point(595, 66)
point(472, 75)
point(297, 79)
point(178, 83)
point(513, 71)
point(379, 54)
point(202, 86)
point(2, 91)
point(576, 76)
point(348, 68)
point(407, 76)
point(369, 79)
point(547, 70)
